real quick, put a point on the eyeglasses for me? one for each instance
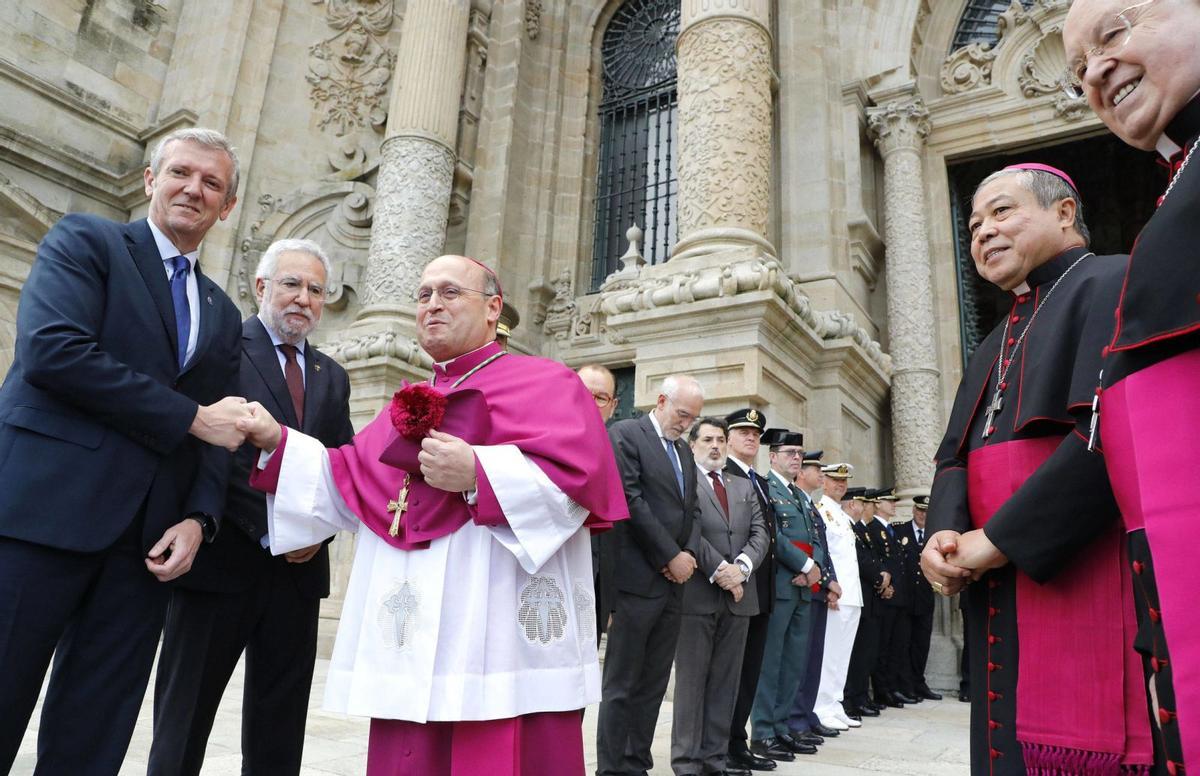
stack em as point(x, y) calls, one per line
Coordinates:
point(293, 285)
point(1113, 37)
point(602, 399)
point(790, 453)
point(424, 295)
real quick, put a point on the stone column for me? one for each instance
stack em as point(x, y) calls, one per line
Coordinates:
point(899, 128)
point(725, 122)
point(416, 168)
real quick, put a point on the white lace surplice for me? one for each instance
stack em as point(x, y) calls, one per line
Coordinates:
point(487, 623)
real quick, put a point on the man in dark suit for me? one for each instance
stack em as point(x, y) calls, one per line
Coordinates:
point(789, 632)
point(887, 678)
point(238, 596)
point(600, 380)
point(912, 537)
point(655, 557)
point(124, 352)
point(718, 603)
point(746, 429)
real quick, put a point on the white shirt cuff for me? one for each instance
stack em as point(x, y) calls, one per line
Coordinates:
point(808, 564)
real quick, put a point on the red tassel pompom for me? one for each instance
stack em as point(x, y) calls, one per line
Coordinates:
point(416, 409)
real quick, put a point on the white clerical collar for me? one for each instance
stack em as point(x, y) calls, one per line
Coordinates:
point(1021, 290)
point(1166, 147)
point(275, 340)
point(167, 249)
point(443, 364)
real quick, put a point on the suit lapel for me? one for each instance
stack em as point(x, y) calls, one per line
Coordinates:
point(316, 384)
point(664, 462)
point(257, 344)
point(709, 494)
point(144, 252)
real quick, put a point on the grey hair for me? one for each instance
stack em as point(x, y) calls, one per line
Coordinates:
point(1048, 189)
point(270, 259)
point(715, 422)
point(672, 383)
point(209, 138)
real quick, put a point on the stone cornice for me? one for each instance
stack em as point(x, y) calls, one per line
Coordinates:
point(93, 113)
point(657, 288)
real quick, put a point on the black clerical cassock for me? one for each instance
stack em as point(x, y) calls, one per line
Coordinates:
point(1016, 407)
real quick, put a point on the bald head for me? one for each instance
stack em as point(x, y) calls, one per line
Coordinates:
point(458, 305)
point(680, 402)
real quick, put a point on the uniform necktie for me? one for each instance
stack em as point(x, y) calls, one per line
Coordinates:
point(722, 496)
point(891, 534)
point(183, 310)
point(295, 380)
point(920, 536)
point(674, 456)
point(758, 483)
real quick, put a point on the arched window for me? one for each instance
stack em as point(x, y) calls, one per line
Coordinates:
point(978, 21)
point(636, 181)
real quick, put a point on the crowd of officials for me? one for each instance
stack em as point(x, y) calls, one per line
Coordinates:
point(789, 603)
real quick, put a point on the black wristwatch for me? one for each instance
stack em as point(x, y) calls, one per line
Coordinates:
point(208, 525)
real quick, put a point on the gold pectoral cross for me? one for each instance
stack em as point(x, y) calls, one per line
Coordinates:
point(399, 506)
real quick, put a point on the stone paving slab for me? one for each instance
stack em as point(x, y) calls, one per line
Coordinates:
point(929, 739)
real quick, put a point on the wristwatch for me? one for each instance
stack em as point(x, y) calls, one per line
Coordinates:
point(742, 567)
point(208, 525)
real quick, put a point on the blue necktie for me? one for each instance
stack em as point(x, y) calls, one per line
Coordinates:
point(183, 311)
point(674, 456)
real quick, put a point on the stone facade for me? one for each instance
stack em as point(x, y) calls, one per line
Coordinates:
point(814, 277)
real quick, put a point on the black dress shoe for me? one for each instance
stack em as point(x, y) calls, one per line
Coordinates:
point(826, 732)
point(928, 694)
point(804, 737)
point(742, 757)
point(855, 714)
point(892, 702)
point(739, 771)
point(772, 749)
point(963, 696)
point(904, 697)
point(799, 745)
point(869, 711)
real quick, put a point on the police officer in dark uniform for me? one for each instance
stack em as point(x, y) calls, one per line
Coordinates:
point(893, 632)
point(876, 579)
point(912, 539)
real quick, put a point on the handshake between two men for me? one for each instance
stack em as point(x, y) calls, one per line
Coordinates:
point(447, 462)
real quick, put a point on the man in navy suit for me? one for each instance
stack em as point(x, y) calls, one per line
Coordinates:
point(111, 428)
point(238, 596)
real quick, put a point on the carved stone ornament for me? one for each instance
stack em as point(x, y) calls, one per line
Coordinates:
point(1043, 67)
point(533, 18)
point(1069, 108)
point(899, 125)
point(410, 221)
point(569, 320)
point(376, 344)
point(968, 68)
point(349, 71)
point(725, 110)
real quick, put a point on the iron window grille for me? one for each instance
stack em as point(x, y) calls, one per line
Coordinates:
point(978, 22)
point(636, 179)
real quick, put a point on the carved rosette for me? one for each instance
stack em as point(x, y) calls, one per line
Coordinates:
point(409, 227)
point(968, 68)
point(725, 109)
point(899, 129)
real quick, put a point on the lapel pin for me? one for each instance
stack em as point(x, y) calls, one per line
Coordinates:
point(210, 300)
point(317, 367)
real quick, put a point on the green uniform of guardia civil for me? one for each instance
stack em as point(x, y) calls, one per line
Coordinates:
point(785, 658)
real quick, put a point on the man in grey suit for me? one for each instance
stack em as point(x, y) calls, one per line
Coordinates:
point(718, 603)
point(655, 556)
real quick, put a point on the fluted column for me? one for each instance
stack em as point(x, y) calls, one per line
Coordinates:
point(725, 126)
point(899, 129)
point(416, 167)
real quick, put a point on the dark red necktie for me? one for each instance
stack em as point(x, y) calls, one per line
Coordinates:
point(722, 496)
point(295, 381)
